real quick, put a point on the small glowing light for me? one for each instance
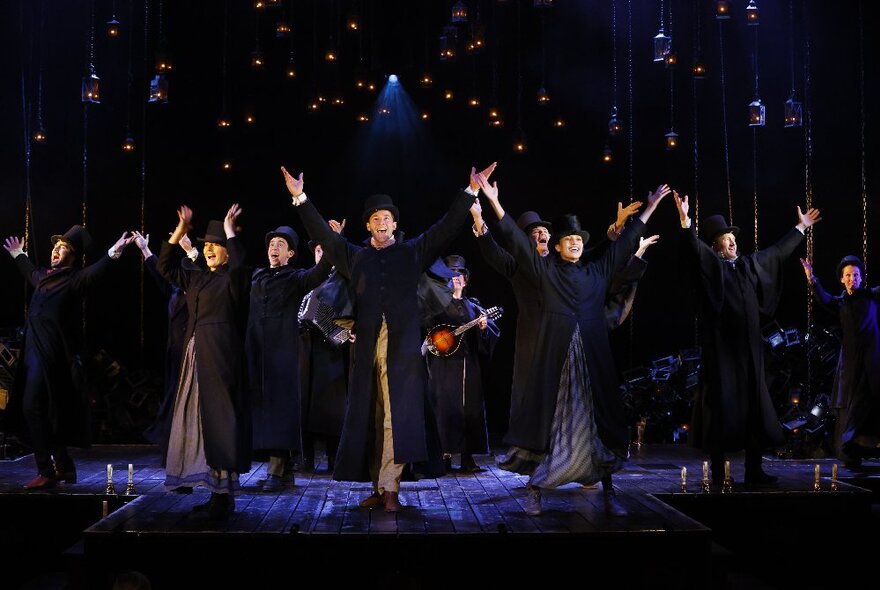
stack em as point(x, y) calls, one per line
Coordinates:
point(425, 115)
point(352, 23)
point(39, 136)
point(158, 89)
point(615, 127)
point(227, 165)
point(392, 79)
point(474, 102)
point(699, 70)
point(314, 106)
point(91, 89)
point(371, 87)
point(753, 19)
point(448, 95)
point(670, 59)
point(459, 12)
point(249, 119)
point(337, 101)
point(426, 81)
point(330, 55)
point(495, 118)
point(519, 143)
point(671, 140)
point(257, 60)
point(291, 72)
point(113, 27)
point(794, 112)
point(128, 144)
point(282, 29)
point(757, 113)
point(543, 96)
point(384, 111)
point(722, 10)
point(559, 123)
point(363, 118)
point(259, 4)
point(223, 123)
point(163, 64)
point(607, 155)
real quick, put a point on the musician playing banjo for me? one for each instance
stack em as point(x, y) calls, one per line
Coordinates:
point(454, 379)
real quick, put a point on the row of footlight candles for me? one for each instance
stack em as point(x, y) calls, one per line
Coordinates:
point(727, 484)
point(111, 488)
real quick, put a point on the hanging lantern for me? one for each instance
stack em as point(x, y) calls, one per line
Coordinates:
point(495, 118)
point(757, 116)
point(558, 123)
point(615, 127)
point(362, 118)
point(478, 39)
point(448, 41)
point(163, 62)
point(543, 96)
point(290, 72)
point(670, 59)
point(224, 123)
point(39, 136)
point(794, 112)
point(671, 140)
point(371, 86)
point(662, 45)
point(158, 89)
point(607, 155)
point(459, 12)
point(519, 143)
point(474, 102)
point(259, 4)
point(699, 69)
point(258, 60)
point(249, 119)
point(337, 101)
point(448, 95)
point(113, 27)
point(282, 29)
point(226, 165)
point(753, 19)
point(353, 23)
point(722, 10)
point(330, 56)
point(426, 81)
point(91, 88)
point(314, 105)
point(425, 116)
point(128, 144)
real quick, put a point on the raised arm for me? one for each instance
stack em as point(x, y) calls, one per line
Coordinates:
point(15, 246)
point(819, 292)
point(169, 261)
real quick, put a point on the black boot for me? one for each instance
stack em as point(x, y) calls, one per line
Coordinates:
point(613, 507)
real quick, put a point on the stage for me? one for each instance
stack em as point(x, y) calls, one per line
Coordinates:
point(465, 529)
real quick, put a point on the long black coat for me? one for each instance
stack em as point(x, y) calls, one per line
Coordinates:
point(456, 383)
point(733, 299)
point(217, 303)
point(384, 283)
point(573, 296)
point(857, 382)
point(178, 318)
point(272, 345)
point(52, 338)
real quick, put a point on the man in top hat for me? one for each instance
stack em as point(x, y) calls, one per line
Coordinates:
point(570, 426)
point(455, 381)
point(46, 410)
point(272, 345)
point(388, 421)
point(733, 409)
point(857, 380)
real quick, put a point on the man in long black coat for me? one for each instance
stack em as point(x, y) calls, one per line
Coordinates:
point(387, 367)
point(733, 409)
point(272, 346)
point(46, 409)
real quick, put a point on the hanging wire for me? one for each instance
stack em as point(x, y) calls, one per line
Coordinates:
point(25, 117)
point(40, 75)
point(808, 180)
point(614, 56)
point(631, 127)
point(696, 140)
point(85, 158)
point(755, 140)
point(864, 186)
point(791, 42)
point(724, 120)
point(223, 57)
point(143, 148)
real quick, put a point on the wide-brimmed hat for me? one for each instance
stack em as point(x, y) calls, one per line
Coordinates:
point(77, 237)
point(715, 225)
point(379, 203)
point(214, 233)
point(530, 219)
point(850, 260)
point(568, 225)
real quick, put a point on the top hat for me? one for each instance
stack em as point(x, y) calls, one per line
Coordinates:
point(286, 232)
point(714, 226)
point(214, 233)
point(379, 203)
point(77, 237)
point(530, 219)
point(850, 260)
point(568, 225)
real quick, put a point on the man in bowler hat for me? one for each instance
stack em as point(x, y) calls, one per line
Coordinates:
point(733, 409)
point(46, 409)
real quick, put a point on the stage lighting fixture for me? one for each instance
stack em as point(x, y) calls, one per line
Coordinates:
point(752, 17)
point(794, 113)
point(662, 45)
point(671, 140)
point(615, 127)
point(158, 89)
point(113, 27)
point(91, 88)
point(543, 96)
point(393, 79)
point(459, 12)
point(722, 10)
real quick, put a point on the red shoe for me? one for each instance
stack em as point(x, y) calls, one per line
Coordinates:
point(41, 482)
point(376, 499)
point(392, 503)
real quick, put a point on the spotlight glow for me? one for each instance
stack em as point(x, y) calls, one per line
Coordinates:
point(392, 79)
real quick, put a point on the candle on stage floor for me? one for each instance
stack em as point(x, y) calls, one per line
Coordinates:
point(727, 470)
point(834, 472)
point(130, 473)
point(817, 472)
point(705, 470)
point(109, 472)
point(684, 474)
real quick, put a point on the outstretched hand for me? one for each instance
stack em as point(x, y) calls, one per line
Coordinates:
point(184, 218)
point(13, 243)
point(490, 190)
point(230, 219)
point(807, 219)
point(624, 213)
point(336, 226)
point(474, 180)
point(682, 205)
point(645, 243)
point(655, 197)
point(808, 269)
point(294, 185)
point(123, 241)
point(142, 241)
point(186, 243)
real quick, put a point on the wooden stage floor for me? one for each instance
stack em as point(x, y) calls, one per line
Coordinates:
point(688, 539)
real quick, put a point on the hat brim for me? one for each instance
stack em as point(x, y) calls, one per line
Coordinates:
point(287, 238)
point(60, 238)
point(213, 240)
point(584, 234)
point(528, 227)
point(857, 262)
point(725, 230)
point(390, 208)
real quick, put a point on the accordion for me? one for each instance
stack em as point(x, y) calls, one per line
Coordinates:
point(321, 318)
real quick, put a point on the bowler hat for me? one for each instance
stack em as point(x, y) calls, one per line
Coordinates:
point(77, 236)
point(714, 226)
point(530, 219)
point(286, 232)
point(215, 233)
point(379, 203)
point(850, 260)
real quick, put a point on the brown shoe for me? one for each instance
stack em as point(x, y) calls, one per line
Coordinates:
point(392, 503)
point(376, 499)
point(41, 482)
